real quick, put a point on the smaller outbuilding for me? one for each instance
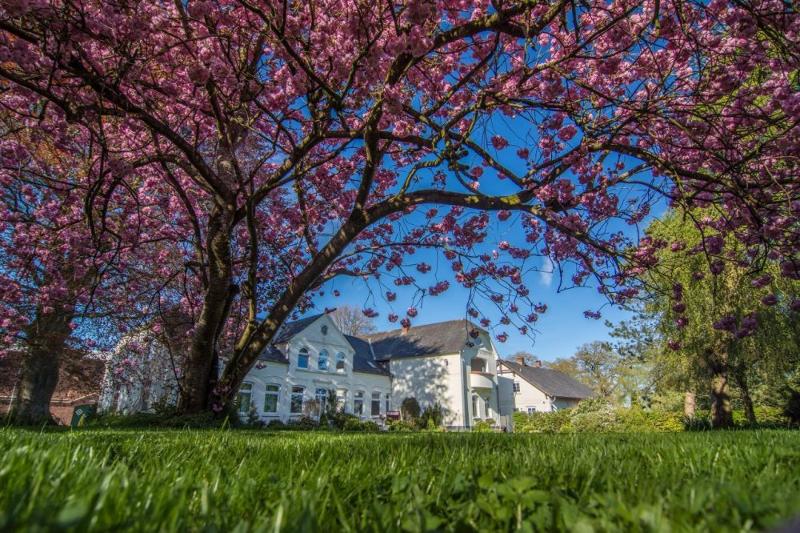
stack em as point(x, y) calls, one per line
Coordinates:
point(538, 389)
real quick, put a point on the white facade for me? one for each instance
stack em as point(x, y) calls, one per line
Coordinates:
point(284, 391)
point(528, 398)
point(317, 361)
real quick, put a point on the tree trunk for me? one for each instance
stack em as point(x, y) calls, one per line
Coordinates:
point(689, 404)
point(46, 339)
point(747, 401)
point(721, 413)
point(199, 368)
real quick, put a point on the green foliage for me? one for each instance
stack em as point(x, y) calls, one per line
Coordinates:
point(401, 425)
point(482, 426)
point(432, 417)
point(210, 480)
point(354, 424)
point(597, 416)
point(409, 408)
point(554, 422)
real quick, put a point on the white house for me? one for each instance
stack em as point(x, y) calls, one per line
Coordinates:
point(450, 363)
point(537, 389)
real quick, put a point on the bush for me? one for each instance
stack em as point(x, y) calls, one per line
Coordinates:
point(170, 420)
point(409, 409)
point(552, 422)
point(276, 424)
point(483, 426)
point(354, 424)
point(792, 409)
point(401, 425)
point(303, 423)
point(432, 417)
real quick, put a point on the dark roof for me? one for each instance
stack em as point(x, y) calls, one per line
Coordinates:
point(550, 381)
point(430, 339)
point(290, 329)
point(363, 361)
point(274, 354)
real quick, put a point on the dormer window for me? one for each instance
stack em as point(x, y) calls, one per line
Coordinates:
point(340, 362)
point(323, 360)
point(302, 358)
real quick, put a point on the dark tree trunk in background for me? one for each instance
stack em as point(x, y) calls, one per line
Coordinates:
point(747, 400)
point(46, 339)
point(721, 413)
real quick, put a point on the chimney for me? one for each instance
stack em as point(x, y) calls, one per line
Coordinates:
point(520, 359)
point(538, 363)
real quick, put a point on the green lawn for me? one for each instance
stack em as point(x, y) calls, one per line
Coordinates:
point(220, 480)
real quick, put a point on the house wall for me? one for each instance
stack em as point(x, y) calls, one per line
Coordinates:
point(430, 380)
point(528, 397)
point(287, 377)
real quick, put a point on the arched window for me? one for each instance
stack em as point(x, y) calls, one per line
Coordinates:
point(340, 362)
point(476, 406)
point(322, 363)
point(302, 358)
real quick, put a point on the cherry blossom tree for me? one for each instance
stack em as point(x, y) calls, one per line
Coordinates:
point(57, 280)
point(304, 141)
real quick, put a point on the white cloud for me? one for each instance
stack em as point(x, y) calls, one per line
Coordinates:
point(546, 273)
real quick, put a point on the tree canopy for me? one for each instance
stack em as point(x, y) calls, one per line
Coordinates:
point(287, 144)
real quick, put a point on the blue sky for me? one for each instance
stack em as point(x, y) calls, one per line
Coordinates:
point(560, 330)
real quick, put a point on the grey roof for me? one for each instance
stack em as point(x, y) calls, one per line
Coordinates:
point(550, 381)
point(290, 329)
point(430, 339)
point(363, 361)
point(274, 354)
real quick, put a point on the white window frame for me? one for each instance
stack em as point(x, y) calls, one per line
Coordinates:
point(517, 386)
point(323, 355)
point(246, 389)
point(272, 394)
point(341, 358)
point(297, 390)
point(358, 400)
point(303, 352)
point(376, 398)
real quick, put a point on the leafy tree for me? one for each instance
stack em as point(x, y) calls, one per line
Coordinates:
point(352, 321)
point(728, 324)
point(294, 144)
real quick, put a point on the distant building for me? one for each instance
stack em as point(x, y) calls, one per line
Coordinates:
point(79, 381)
point(537, 389)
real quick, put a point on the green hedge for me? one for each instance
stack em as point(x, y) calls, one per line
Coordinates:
point(598, 417)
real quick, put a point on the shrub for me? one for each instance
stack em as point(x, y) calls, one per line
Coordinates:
point(354, 424)
point(552, 422)
point(276, 424)
point(303, 423)
point(483, 426)
point(409, 408)
point(599, 418)
point(401, 425)
point(432, 417)
point(792, 409)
